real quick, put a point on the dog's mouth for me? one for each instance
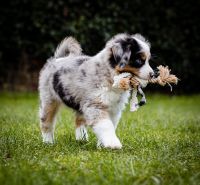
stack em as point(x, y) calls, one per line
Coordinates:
point(128, 69)
point(136, 72)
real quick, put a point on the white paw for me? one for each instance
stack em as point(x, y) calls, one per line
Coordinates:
point(48, 137)
point(81, 133)
point(110, 142)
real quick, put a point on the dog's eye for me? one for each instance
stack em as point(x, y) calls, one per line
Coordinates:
point(139, 62)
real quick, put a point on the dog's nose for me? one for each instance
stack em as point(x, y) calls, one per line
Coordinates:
point(156, 73)
point(151, 74)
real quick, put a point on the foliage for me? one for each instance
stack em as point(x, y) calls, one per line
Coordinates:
point(160, 146)
point(36, 27)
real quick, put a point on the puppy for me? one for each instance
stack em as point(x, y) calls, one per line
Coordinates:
point(84, 83)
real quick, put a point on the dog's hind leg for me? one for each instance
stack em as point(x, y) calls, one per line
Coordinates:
point(81, 131)
point(48, 112)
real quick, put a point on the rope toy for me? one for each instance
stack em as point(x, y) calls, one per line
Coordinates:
point(164, 78)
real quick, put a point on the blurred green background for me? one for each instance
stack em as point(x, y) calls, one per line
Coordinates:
point(30, 31)
point(161, 142)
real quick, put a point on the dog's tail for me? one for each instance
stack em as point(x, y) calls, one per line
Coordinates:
point(68, 46)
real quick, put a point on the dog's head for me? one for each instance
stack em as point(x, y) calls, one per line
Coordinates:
point(131, 53)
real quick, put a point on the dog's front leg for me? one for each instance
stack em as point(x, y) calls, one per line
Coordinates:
point(115, 117)
point(105, 132)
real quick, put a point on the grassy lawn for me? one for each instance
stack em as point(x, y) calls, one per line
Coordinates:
point(161, 145)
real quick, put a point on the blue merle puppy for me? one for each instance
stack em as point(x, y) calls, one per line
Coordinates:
point(84, 83)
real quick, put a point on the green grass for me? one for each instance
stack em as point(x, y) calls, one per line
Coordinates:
point(161, 145)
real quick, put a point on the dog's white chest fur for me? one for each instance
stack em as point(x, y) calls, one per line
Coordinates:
point(115, 99)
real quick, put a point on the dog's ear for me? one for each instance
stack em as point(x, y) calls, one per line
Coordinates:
point(121, 54)
point(117, 52)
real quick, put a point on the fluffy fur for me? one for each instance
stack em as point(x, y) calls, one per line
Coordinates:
point(84, 83)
